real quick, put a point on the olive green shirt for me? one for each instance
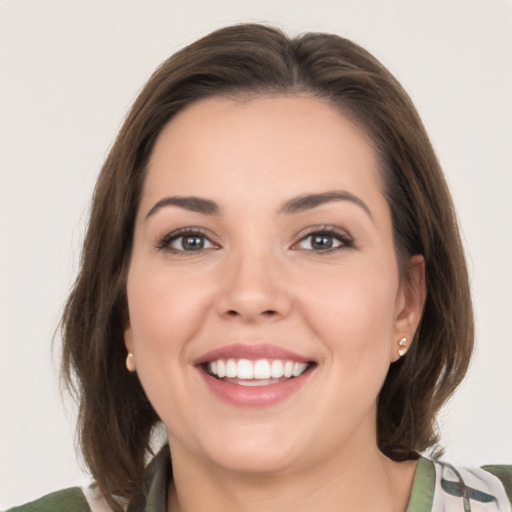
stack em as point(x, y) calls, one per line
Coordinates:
point(438, 486)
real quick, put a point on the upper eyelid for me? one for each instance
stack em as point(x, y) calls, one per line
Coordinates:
point(325, 228)
point(186, 231)
point(167, 237)
point(342, 235)
point(335, 231)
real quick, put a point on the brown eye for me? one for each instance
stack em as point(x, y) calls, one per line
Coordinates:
point(183, 242)
point(324, 241)
point(320, 242)
point(192, 242)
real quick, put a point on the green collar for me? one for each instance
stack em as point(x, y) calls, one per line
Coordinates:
point(422, 493)
point(160, 472)
point(158, 475)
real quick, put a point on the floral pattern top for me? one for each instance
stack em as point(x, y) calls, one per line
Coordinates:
point(437, 487)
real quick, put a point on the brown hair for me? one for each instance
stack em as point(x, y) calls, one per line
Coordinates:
point(115, 417)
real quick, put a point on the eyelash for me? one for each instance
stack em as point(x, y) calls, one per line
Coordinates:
point(165, 242)
point(344, 239)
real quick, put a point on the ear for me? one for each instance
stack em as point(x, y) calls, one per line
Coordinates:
point(409, 304)
point(128, 335)
point(128, 342)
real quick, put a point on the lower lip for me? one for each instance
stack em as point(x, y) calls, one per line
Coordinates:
point(254, 396)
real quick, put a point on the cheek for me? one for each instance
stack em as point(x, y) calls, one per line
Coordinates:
point(163, 307)
point(165, 311)
point(353, 311)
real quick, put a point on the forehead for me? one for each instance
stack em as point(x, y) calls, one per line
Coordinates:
point(262, 147)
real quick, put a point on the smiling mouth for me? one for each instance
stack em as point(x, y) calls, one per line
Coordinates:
point(260, 372)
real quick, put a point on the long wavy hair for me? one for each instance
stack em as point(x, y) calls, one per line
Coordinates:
point(115, 417)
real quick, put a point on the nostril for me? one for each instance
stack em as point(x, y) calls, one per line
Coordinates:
point(267, 313)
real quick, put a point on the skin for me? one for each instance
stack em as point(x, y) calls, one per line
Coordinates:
point(258, 279)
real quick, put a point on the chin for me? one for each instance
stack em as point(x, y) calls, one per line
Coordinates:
point(252, 450)
point(262, 461)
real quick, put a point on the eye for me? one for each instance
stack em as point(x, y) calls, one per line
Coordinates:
point(324, 241)
point(185, 241)
point(192, 242)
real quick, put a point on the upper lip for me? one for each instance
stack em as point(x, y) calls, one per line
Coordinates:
point(251, 352)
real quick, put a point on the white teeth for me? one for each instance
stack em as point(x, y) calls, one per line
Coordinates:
point(298, 368)
point(255, 382)
point(231, 370)
point(259, 372)
point(245, 369)
point(262, 369)
point(277, 369)
point(221, 369)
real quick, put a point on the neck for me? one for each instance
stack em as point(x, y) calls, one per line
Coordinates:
point(366, 482)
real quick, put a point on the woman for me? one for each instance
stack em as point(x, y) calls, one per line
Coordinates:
point(272, 270)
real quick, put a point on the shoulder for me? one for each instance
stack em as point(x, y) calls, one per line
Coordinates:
point(440, 485)
point(67, 500)
point(486, 484)
point(89, 498)
point(504, 474)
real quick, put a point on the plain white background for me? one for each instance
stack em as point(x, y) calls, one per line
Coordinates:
point(69, 70)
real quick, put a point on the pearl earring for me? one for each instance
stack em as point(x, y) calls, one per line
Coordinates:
point(402, 347)
point(130, 362)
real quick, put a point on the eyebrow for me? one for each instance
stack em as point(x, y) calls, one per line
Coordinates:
point(295, 205)
point(309, 201)
point(193, 204)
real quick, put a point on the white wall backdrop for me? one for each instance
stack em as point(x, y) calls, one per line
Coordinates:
point(68, 73)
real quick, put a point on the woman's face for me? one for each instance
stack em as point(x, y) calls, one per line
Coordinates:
point(263, 249)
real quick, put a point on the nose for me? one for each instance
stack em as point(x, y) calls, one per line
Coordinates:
point(253, 290)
